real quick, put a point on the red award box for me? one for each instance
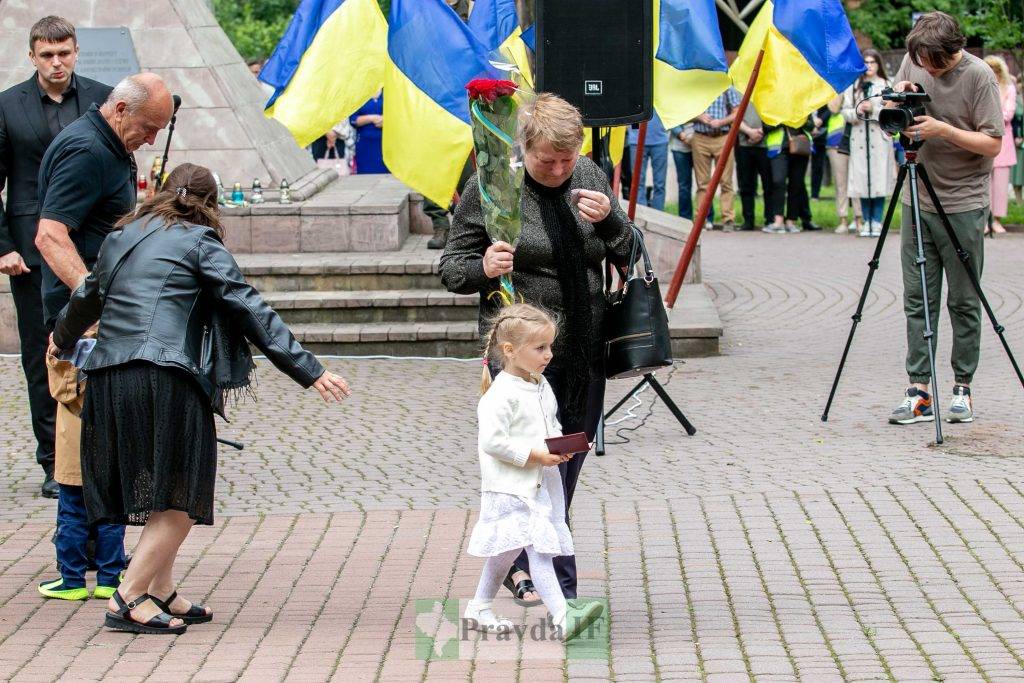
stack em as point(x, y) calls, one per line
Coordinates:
point(570, 443)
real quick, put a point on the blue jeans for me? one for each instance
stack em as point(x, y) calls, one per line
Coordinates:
point(658, 156)
point(684, 173)
point(71, 536)
point(872, 208)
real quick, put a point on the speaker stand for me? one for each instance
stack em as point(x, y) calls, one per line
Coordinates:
point(598, 154)
point(650, 379)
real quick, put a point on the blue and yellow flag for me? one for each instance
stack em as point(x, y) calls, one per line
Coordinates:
point(330, 61)
point(427, 135)
point(690, 70)
point(616, 142)
point(496, 24)
point(810, 55)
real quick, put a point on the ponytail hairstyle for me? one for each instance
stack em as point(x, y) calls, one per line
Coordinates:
point(188, 195)
point(516, 324)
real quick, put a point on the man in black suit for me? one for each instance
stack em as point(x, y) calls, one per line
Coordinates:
point(31, 115)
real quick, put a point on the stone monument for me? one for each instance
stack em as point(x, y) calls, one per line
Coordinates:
point(220, 123)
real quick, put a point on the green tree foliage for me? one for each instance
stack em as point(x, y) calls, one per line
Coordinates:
point(254, 26)
point(995, 24)
point(1000, 23)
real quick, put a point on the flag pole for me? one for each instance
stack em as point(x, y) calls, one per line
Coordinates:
point(705, 205)
point(636, 180)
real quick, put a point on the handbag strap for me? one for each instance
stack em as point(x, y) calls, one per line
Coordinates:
point(638, 247)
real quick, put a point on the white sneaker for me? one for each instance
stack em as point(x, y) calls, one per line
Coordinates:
point(842, 229)
point(961, 408)
point(479, 617)
point(865, 229)
point(876, 228)
point(916, 407)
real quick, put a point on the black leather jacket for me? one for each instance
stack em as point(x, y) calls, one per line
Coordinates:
point(161, 301)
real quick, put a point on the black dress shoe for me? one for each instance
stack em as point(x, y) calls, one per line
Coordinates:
point(50, 488)
point(810, 227)
point(746, 227)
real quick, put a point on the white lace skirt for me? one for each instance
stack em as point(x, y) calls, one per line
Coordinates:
point(509, 522)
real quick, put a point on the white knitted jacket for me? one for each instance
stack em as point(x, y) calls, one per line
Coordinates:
point(515, 416)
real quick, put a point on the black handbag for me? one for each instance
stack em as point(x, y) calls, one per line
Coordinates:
point(637, 339)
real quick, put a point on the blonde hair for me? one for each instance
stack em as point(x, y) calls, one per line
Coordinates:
point(1002, 72)
point(516, 324)
point(551, 118)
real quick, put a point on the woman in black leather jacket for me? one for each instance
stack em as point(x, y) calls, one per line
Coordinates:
point(175, 314)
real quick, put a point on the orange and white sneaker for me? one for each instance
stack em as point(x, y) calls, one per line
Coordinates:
point(916, 407)
point(961, 408)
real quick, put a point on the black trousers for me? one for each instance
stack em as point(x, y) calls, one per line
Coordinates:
point(565, 565)
point(753, 163)
point(28, 303)
point(818, 159)
point(788, 172)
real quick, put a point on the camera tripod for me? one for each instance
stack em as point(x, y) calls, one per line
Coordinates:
point(913, 170)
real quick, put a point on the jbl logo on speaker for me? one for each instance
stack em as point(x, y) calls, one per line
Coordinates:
point(593, 87)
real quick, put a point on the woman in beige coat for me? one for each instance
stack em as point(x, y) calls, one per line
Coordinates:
point(869, 140)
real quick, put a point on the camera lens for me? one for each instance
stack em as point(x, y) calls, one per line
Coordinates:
point(895, 120)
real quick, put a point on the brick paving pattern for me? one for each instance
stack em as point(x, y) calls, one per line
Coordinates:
point(770, 546)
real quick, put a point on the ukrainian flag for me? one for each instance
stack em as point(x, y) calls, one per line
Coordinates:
point(427, 134)
point(330, 61)
point(810, 55)
point(690, 70)
point(496, 24)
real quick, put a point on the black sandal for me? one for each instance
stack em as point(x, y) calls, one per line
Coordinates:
point(196, 614)
point(520, 589)
point(121, 620)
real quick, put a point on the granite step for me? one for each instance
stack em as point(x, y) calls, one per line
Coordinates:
point(374, 306)
point(412, 267)
point(404, 339)
point(694, 326)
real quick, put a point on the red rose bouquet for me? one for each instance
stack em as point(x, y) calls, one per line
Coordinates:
point(494, 110)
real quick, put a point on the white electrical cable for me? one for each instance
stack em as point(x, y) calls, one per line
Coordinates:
point(630, 415)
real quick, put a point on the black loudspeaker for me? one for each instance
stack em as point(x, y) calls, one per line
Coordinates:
point(597, 54)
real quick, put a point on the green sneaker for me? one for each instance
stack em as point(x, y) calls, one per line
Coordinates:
point(104, 592)
point(56, 589)
point(579, 614)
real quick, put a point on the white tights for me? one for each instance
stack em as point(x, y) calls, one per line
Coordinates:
point(542, 573)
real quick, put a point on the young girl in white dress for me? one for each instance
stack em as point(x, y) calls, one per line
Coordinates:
point(522, 505)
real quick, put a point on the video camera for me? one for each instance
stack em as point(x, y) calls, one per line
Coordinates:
point(896, 119)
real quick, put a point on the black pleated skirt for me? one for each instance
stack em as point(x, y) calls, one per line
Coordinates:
point(149, 444)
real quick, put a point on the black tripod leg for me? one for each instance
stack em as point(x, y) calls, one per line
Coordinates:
point(872, 267)
point(656, 385)
point(965, 259)
point(929, 333)
point(628, 396)
point(599, 437)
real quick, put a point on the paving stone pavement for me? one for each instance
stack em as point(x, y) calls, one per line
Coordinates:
point(770, 546)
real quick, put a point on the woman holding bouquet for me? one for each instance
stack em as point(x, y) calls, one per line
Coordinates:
point(571, 222)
